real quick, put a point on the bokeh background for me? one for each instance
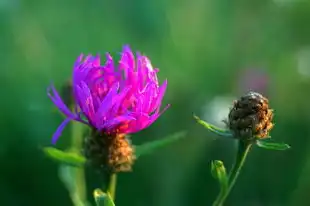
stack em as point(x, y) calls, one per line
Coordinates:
point(211, 51)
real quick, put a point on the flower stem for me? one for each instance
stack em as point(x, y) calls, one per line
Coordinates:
point(77, 138)
point(112, 185)
point(243, 150)
point(80, 191)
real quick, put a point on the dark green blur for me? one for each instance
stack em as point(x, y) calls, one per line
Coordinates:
point(202, 47)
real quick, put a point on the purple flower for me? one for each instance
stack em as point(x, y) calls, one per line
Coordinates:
point(119, 99)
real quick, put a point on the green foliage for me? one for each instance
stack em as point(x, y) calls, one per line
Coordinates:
point(73, 180)
point(77, 160)
point(103, 199)
point(214, 129)
point(272, 145)
point(150, 147)
point(68, 158)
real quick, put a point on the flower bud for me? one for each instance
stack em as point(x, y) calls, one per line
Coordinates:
point(250, 117)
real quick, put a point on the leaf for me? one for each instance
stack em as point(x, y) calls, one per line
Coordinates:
point(103, 199)
point(71, 178)
point(150, 147)
point(68, 158)
point(218, 171)
point(214, 129)
point(272, 145)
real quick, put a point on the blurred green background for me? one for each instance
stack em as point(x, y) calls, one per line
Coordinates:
point(211, 51)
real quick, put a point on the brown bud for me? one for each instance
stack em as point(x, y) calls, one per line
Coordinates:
point(109, 152)
point(250, 117)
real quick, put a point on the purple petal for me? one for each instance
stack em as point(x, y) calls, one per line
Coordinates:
point(109, 64)
point(54, 96)
point(96, 61)
point(139, 104)
point(117, 102)
point(149, 95)
point(106, 104)
point(162, 111)
point(160, 96)
point(127, 62)
point(140, 71)
point(140, 123)
point(116, 121)
point(85, 100)
point(59, 130)
point(89, 100)
point(78, 61)
point(87, 58)
point(155, 116)
point(151, 120)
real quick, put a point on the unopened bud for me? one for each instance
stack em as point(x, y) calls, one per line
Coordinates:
point(250, 117)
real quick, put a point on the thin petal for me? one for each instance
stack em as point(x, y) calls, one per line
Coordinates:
point(118, 103)
point(89, 100)
point(96, 61)
point(59, 130)
point(106, 104)
point(155, 116)
point(160, 113)
point(140, 123)
point(148, 94)
point(161, 93)
point(54, 96)
point(85, 100)
point(87, 58)
point(78, 61)
point(127, 62)
point(140, 71)
point(109, 64)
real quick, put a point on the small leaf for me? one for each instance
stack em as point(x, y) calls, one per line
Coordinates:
point(218, 171)
point(214, 129)
point(103, 199)
point(68, 158)
point(157, 144)
point(272, 145)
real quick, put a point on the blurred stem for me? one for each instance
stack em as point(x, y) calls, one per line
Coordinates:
point(243, 151)
point(76, 145)
point(112, 185)
point(78, 173)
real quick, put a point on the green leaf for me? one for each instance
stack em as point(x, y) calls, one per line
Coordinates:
point(68, 158)
point(150, 147)
point(272, 145)
point(103, 199)
point(214, 129)
point(73, 181)
point(218, 171)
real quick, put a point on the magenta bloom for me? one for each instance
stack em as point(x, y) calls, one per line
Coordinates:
point(122, 99)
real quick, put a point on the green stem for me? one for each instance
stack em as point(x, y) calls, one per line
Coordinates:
point(223, 192)
point(78, 173)
point(112, 185)
point(243, 151)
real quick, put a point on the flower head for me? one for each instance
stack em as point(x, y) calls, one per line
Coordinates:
point(251, 117)
point(118, 99)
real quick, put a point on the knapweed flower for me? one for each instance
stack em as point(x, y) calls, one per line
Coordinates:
point(113, 101)
point(250, 117)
